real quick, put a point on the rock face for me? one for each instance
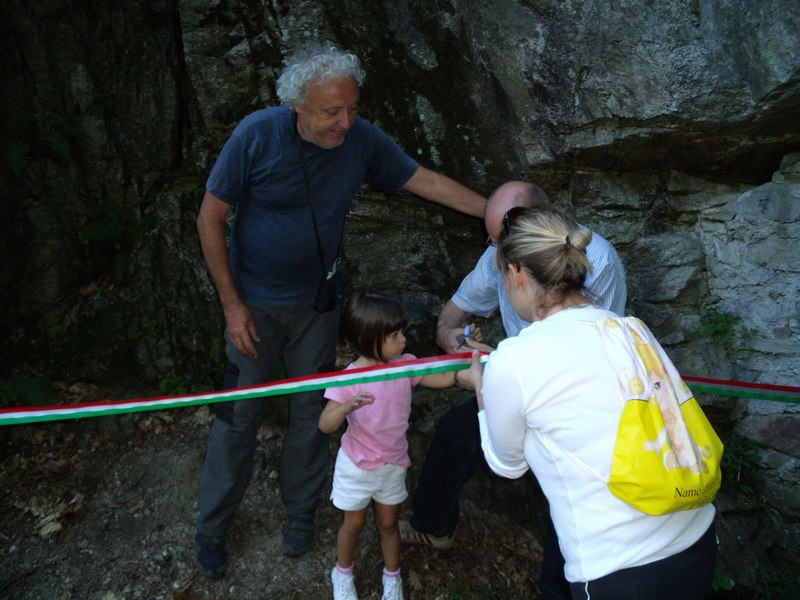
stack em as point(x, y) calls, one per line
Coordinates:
point(670, 128)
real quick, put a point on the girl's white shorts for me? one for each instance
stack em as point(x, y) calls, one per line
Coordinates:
point(354, 487)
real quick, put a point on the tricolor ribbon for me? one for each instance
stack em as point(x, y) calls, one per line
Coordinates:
point(395, 370)
point(740, 389)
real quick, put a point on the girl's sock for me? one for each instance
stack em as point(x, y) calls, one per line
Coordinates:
point(387, 573)
point(345, 571)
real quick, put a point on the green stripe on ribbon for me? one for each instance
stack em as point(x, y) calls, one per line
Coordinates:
point(397, 370)
point(744, 390)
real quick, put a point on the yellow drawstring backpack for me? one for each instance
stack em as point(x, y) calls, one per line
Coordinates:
point(667, 455)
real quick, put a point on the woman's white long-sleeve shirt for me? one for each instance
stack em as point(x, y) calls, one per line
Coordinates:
point(550, 393)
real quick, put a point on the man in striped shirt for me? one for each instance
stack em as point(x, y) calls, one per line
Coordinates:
point(455, 451)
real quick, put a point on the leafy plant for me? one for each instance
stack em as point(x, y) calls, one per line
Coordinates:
point(776, 583)
point(58, 131)
point(18, 156)
point(723, 581)
point(112, 229)
point(178, 385)
point(187, 186)
point(109, 222)
point(739, 462)
point(725, 330)
point(20, 390)
point(39, 135)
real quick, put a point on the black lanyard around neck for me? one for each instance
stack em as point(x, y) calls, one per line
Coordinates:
point(325, 271)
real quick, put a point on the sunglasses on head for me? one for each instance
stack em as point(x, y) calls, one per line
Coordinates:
point(510, 217)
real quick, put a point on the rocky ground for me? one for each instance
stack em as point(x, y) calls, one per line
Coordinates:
point(104, 508)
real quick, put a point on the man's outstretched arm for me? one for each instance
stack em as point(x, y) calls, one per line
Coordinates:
point(440, 188)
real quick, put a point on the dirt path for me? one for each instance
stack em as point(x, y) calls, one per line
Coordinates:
point(105, 511)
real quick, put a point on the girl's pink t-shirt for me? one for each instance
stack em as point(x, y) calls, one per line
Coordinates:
point(376, 433)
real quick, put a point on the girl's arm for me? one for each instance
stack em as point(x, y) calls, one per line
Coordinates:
point(334, 413)
point(439, 380)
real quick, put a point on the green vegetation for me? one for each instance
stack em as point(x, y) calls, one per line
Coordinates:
point(18, 156)
point(722, 581)
point(38, 136)
point(112, 229)
point(777, 584)
point(25, 390)
point(178, 385)
point(187, 185)
point(725, 330)
point(739, 463)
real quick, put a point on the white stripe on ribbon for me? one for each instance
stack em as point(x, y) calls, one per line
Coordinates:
point(395, 370)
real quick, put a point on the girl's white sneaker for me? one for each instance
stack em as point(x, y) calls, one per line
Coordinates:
point(392, 588)
point(344, 587)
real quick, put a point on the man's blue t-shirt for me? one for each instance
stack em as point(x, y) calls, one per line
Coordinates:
point(273, 249)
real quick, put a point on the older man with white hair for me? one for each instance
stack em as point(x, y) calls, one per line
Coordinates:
point(291, 173)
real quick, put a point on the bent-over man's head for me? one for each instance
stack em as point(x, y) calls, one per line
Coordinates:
point(506, 197)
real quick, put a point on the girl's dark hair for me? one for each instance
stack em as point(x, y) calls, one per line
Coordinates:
point(368, 318)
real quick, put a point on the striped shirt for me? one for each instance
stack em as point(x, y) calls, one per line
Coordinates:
point(481, 292)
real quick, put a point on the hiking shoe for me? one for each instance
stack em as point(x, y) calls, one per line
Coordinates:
point(297, 537)
point(211, 560)
point(344, 587)
point(409, 535)
point(392, 587)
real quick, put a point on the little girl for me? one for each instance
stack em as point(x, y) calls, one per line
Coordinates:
point(373, 457)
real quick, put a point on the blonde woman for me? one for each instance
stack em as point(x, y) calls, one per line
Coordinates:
point(549, 400)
